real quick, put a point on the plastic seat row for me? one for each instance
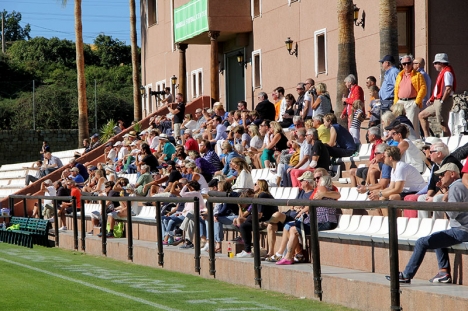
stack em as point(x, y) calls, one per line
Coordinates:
point(364, 154)
point(284, 192)
point(16, 166)
point(264, 173)
point(132, 178)
point(351, 194)
point(375, 228)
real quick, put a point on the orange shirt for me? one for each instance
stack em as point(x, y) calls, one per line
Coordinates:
point(277, 109)
point(406, 89)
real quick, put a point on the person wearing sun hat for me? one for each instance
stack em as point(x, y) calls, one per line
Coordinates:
point(441, 101)
point(165, 149)
point(449, 175)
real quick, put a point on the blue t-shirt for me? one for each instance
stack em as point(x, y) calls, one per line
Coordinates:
point(386, 171)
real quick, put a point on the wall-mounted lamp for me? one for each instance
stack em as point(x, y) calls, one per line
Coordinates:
point(173, 80)
point(240, 59)
point(289, 44)
point(362, 22)
point(142, 91)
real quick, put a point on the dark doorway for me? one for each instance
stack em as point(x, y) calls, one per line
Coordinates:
point(235, 81)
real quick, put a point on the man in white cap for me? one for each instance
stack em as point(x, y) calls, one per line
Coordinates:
point(449, 175)
point(441, 102)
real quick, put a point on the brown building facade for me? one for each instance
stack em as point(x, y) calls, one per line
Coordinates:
point(199, 42)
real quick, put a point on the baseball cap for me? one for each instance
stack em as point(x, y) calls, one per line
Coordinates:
point(392, 125)
point(388, 58)
point(309, 176)
point(448, 167)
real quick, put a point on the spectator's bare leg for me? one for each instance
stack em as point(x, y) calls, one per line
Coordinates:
point(271, 234)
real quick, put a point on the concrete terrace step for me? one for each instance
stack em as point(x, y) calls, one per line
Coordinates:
point(349, 287)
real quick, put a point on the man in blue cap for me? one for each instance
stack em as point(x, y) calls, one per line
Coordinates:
point(386, 93)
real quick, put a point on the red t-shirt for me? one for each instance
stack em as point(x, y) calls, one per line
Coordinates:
point(191, 144)
point(315, 190)
point(75, 192)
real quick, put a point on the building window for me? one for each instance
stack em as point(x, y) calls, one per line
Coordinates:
point(152, 12)
point(257, 69)
point(256, 8)
point(292, 1)
point(160, 86)
point(405, 30)
point(197, 83)
point(321, 52)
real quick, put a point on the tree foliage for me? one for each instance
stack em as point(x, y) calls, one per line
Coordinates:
point(13, 30)
point(51, 64)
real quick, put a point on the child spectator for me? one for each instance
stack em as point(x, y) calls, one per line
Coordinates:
point(358, 117)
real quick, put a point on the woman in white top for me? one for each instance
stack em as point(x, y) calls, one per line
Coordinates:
point(257, 140)
point(244, 178)
point(409, 152)
point(196, 176)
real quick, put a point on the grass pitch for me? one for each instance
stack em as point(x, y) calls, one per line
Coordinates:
point(57, 279)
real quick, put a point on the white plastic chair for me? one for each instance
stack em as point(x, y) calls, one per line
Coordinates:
point(453, 143)
point(343, 224)
point(353, 194)
point(344, 192)
point(411, 230)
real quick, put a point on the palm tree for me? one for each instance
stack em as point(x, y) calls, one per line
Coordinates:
point(346, 51)
point(388, 28)
point(83, 126)
point(135, 76)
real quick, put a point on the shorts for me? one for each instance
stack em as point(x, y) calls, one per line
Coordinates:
point(440, 111)
point(361, 172)
point(177, 129)
point(404, 194)
point(69, 210)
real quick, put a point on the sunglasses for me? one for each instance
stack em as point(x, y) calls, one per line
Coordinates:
point(406, 64)
point(432, 151)
point(377, 153)
point(317, 178)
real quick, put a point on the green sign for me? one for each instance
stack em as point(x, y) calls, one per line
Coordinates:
point(190, 20)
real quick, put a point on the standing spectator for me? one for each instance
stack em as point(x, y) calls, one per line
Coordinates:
point(242, 105)
point(418, 64)
point(287, 116)
point(358, 117)
point(441, 101)
point(300, 89)
point(410, 89)
point(309, 98)
point(168, 99)
point(265, 108)
point(371, 81)
point(387, 89)
point(280, 105)
point(178, 113)
point(374, 111)
point(45, 148)
point(449, 175)
point(355, 93)
point(322, 104)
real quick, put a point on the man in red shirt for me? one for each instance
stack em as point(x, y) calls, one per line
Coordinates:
point(190, 142)
point(66, 207)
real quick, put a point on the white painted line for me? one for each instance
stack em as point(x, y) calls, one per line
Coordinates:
point(106, 290)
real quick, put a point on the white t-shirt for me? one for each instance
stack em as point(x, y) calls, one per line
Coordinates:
point(51, 192)
point(306, 149)
point(448, 80)
point(256, 142)
point(413, 156)
point(244, 180)
point(191, 125)
point(310, 98)
point(122, 153)
point(112, 155)
point(154, 143)
point(410, 175)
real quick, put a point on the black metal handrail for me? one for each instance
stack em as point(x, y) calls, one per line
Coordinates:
point(220, 197)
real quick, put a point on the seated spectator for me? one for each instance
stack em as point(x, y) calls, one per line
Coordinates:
point(287, 158)
point(409, 152)
point(190, 143)
point(404, 180)
point(277, 220)
point(254, 152)
point(243, 180)
point(76, 177)
point(165, 149)
point(326, 220)
point(96, 184)
point(341, 143)
point(305, 156)
point(168, 174)
point(110, 191)
point(323, 131)
point(240, 137)
point(148, 158)
point(141, 188)
point(95, 142)
point(50, 164)
point(67, 207)
point(277, 142)
point(433, 192)
point(319, 157)
point(210, 155)
point(81, 168)
point(47, 189)
point(119, 212)
point(194, 171)
point(358, 176)
point(245, 210)
point(32, 178)
point(264, 213)
point(86, 145)
point(229, 152)
point(378, 175)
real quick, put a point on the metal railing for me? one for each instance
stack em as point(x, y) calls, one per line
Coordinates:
point(220, 197)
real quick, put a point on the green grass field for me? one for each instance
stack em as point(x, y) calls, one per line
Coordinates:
point(57, 279)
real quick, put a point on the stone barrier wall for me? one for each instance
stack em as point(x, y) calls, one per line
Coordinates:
point(24, 146)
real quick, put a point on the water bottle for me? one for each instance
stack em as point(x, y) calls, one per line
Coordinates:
point(229, 250)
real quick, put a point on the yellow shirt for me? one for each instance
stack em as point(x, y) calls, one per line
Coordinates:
point(323, 134)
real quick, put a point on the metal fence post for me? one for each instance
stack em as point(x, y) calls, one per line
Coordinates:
point(159, 234)
point(56, 223)
point(83, 226)
point(129, 230)
point(315, 248)
point(196, 211)
point(256, 246)
point(211, 246)
point(103, 227)
point(393, 254)
point(39, 210)
point(11, 203)
point(75, 224)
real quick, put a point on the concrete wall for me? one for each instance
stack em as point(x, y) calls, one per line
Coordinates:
point(24, 146)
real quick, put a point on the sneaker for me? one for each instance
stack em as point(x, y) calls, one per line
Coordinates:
point(244, 254)
point(90, 232)
point(99, 234)
point(285, 261)
point(401, 278)
point(186, 245)
point(441, 277)
point(110, 234)
point(64, 228)
point(170, 241)
point(238, 240)
point(206, 247)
